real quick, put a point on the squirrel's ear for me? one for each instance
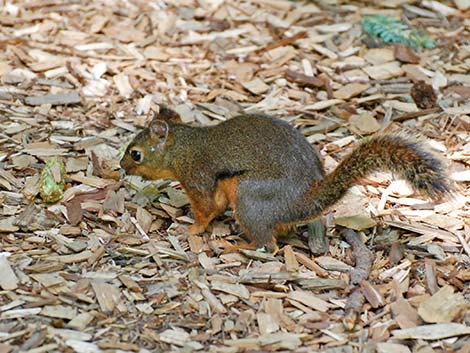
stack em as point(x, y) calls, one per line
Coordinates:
point(158, 128)
point(167, 114)
point(159, 132)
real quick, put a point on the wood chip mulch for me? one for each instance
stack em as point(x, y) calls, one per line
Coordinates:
point(111, 268)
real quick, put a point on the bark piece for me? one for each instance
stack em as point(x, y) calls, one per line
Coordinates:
point(423, 95)
point(364, 257)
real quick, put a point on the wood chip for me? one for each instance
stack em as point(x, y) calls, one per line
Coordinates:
point(350, 90)
point(384, 71)
point(72, 97)
point(175, 336)
point(432, 332)
point(371, 294)
point(385, 347)
point(358, 222)
point(443, 306)
point(106, 295)
point(309, 300)
point(59, 311)
point(8, 279)
point(256, 86)
point(364, 124)
point(67, 259)
point(323, 104)
point(238, 290)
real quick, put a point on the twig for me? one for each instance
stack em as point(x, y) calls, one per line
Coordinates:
point(352, 308)
point(417, 114)
point(364, 257)
point(283, 42)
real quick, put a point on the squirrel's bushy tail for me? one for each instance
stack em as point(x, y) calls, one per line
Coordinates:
point(401, 154)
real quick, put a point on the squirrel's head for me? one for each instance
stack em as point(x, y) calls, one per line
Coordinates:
point(145, 155)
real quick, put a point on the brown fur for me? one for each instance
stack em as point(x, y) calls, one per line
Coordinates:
point(267, 171)
point(207, 208)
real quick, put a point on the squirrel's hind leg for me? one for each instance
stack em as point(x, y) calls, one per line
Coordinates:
point(261, 237)
point(256, 212)
point(207, 207)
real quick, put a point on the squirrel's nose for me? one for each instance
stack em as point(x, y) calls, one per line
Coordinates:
point(122, 173)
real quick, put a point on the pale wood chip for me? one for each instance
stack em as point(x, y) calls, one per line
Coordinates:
point(331, 264)
point(48, 279)
point(174, 336)
point(439, 7)
point(384, 71)
point(356, 222)
point(80, 321)
point(8, 278)
point(462, 4)
point(309, 300)
point(59, 311)
point(20, 313)
point(266, 323)
point(106, 295)
point(373, 296)
point(139, 228)
point(405, 315)
point(385, 347)
point(461, 176)
point(68, 259)
point(44, 349)
point(130, 283)
point(256, 86)
point(55, 99)
point(270, 277)
point(433, 331)
point(82, 347)
point(321, 283)
point(377, 56)
point(92, 181)
point(443, 306)
point(323, 104)
point(244, 343)
point(7, 225)
point(206, 262)
point(325, 51)
point(238, 290)
point(401, 106)
point(215, 304)
point(257, 255)
point(290, 258)
point(350, 90)
point(281, 340)
point(122, 83)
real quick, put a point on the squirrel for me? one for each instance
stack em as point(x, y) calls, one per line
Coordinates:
point(267, 171)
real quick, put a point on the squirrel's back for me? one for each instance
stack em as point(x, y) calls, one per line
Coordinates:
point(264, 146)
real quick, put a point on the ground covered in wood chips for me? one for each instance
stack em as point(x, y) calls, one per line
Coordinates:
point(110, 267)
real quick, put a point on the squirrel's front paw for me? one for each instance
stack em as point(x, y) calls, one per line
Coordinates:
point(195, 229)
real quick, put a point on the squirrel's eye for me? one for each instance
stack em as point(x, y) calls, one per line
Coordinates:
point(136, 156)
